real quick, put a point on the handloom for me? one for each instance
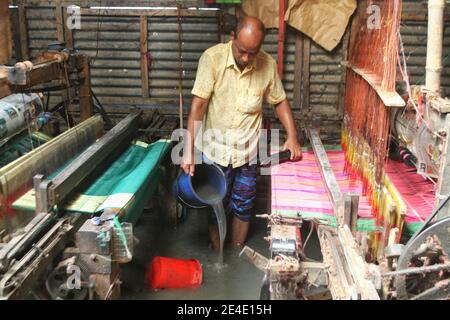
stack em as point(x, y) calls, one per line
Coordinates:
point(72, 190)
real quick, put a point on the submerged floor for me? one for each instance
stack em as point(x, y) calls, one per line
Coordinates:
point(237, 280)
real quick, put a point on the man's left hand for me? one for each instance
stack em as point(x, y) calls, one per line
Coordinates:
point(294, 146)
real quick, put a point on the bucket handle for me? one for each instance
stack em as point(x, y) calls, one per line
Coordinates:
point(184, 202)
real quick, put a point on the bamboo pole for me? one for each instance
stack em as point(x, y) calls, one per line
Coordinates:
point(434, 47)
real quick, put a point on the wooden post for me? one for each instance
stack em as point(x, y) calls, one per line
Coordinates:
point(281, 37)
point(68, 33)
point(345, 46)
point(144, 59)
point(86, 103)
point(298, 71)
point(6, 35)
point(23, 31)
point(59, 22)
point(305, 75)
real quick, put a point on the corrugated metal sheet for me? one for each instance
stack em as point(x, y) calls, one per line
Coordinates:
point(41, 24)
point(113, 44)
point(197, 35)
point(414, 36)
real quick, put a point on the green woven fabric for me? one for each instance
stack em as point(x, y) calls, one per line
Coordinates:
point(125, 184)
point(20, 145)
point(362, 224)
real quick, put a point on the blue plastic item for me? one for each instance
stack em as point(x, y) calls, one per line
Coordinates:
point(208, 186)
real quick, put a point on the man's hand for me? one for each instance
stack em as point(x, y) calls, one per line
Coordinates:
point(294, 147)
point(188, 166)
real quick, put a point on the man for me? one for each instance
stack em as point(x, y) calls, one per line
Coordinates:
point(232, 81)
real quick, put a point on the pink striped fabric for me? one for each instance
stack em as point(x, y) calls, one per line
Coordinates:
point(298, 186)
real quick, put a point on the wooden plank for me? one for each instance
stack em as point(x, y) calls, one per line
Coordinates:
point(144, 60)
point(357, 265)
point(345, 48)
point(298, 71)
point(6, 34)
point(86, 103)
point(23, 31)
point(327, 174)
point(147, 12)
point(351, 204)
point(306, 73)
point(68, 33)
point(59, 22)
point(114, 3)
point(390, 99)
point(339, 285)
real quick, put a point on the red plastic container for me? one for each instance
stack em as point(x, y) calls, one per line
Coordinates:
point(170, 273)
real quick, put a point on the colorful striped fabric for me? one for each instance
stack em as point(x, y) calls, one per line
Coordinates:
point(297, 189)
point(417, 192)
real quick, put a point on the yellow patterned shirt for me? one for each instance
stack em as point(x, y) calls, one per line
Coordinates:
point(232, 124)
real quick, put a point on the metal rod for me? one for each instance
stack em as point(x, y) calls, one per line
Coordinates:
point(433, 268)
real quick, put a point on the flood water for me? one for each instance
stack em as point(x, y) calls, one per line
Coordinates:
point(210, 194)
point(236, 279)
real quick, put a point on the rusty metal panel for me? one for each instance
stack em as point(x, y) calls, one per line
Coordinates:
point(414, 36)
point(41, 24)
point(113, 45)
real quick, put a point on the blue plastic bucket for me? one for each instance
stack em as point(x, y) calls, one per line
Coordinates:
point(206, 187)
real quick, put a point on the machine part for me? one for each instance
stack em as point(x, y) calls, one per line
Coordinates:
point(255, 258)
point(91, 158)
point(68, 281)
point(393, 250)
point(431, 247)
point(427, 222)
point(22, 274)
point(18, 111)
point(283, 241)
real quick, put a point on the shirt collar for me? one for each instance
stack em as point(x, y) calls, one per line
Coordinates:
point(231, 62)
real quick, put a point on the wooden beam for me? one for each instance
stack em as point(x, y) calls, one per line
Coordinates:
point(281, 37)
point(298, 71)
point(112, 3)
point(86, 103)
point(147, 12)
point(5, 33)
point(345, 49)
point(144, 59)
point(390, 99)
point(305, 73)
point(68, 33)
point(59, 22)
point(357, 265)
point(23, 31)
point(327, 174)
point(351, 204)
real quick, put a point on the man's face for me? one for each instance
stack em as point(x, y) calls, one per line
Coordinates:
point(245, 48)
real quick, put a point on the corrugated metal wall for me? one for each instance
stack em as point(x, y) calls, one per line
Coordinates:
point(414, 36)
point(114, 45)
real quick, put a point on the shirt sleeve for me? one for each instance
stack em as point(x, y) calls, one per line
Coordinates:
point(204, 80)
point(275, 92)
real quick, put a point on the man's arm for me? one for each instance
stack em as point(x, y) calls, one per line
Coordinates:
point(198, 110)
point(284, 113)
